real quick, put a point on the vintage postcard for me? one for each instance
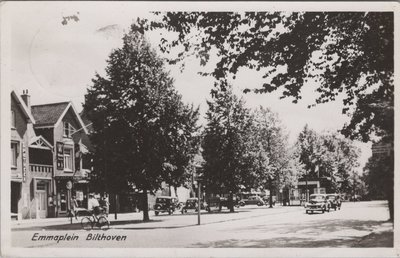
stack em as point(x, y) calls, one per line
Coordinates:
point(199, 129)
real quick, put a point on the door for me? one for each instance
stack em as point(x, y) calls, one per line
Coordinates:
point(41, 198)
point(15, 196)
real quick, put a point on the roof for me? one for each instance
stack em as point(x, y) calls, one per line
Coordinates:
point(52, 114)
point(24, 108)
point(48, 114)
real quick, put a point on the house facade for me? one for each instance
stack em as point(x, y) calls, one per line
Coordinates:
point(61, 126)
point(22, 199)
point(50, 162)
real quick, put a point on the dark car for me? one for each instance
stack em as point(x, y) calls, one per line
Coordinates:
point(217, 203)
point(252, 200)
point(318, 202)
point(165, 204)
point(192, 204)
point(335, 200)
point(266, 200)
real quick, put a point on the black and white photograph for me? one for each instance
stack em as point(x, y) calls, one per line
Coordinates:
point(198, 129)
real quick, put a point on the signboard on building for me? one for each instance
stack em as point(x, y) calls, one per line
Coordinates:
point(60, 155)
point(23, 162)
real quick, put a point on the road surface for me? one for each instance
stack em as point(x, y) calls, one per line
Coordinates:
point(360, 224)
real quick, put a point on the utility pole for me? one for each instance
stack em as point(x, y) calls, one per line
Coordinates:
point(199, 202)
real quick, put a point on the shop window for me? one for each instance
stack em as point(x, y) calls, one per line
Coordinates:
point(68, 159)
point(13, 119)
point(14, 154)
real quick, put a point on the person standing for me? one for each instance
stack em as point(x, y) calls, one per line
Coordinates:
point(105, 204)
point(74, 207)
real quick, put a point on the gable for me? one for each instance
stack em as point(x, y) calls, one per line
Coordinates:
point(22, 108)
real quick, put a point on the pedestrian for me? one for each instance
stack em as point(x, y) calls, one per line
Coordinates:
point(104, 204)
point(74, 206)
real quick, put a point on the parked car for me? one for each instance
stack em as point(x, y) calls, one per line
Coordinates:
point(318, 202)
point(165, 204)
point(192, 204)
point(266, 200)
point(355, 198)
point(335, 200)
point(255, 200)
point(217, 203)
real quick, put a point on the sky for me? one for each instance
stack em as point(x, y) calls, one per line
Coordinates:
point(56, 62)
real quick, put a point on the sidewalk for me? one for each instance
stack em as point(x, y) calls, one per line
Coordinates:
point(65, 220)
point(135, 219)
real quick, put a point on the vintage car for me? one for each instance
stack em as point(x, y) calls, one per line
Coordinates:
point(318, 202)
point(266, 200)
point(217, 203)
point(252, 200)
point(192, 204)
point(165, 204)
point(335, 200)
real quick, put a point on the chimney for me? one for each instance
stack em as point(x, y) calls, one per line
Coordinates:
point(26, 98)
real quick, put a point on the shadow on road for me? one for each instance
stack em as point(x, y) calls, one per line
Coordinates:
point(330, 233)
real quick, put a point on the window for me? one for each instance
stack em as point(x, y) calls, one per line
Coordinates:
point(14, 154)
point(68, 129)
point(12, 119)
point(68, 159)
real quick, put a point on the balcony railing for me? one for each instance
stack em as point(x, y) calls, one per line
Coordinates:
point(41, 168)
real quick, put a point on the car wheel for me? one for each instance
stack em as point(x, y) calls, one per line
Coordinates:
point(306, 211)
point(259, 204)
point(156, 212)
point(323, 211)
point(242, 204)
point(170, 212)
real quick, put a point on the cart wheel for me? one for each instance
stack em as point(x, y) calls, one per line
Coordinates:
point(103, 223)
point(86, 223)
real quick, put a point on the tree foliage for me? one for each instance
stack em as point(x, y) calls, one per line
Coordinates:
point(379, 178)
point(227, 163)
point(350, 54)
point(142, 132)
point(270, 143)
point(328, 155)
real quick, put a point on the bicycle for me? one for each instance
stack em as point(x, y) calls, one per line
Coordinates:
point(100, 221)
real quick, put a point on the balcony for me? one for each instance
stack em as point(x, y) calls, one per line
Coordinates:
point(41, 168)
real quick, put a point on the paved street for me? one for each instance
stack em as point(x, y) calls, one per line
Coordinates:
point(360, 224)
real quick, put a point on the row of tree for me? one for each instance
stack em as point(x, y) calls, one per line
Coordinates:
point(143, 134)
point(248, 149)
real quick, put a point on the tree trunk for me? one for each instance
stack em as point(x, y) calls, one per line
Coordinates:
point(230, 203)
point(145, 206)
point(176, 192)
point(270, 193)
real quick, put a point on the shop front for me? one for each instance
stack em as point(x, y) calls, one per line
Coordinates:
point(63, 195)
